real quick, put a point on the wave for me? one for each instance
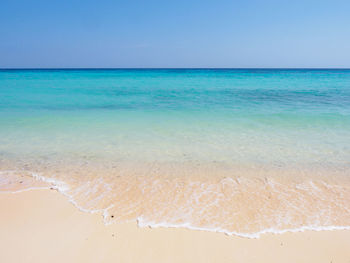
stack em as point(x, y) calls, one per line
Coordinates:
point(227, 205)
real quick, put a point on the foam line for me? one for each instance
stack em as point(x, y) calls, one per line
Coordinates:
point(63, 188)
point(142, 223)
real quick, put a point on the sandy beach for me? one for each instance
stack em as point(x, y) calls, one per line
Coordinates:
point(43, 226)
point(175, 131)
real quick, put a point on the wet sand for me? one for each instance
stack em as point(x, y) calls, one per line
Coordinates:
point(43, 226)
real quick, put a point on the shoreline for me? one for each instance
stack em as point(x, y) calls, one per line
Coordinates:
point(139, 223)
point(43, 226)
point(16, 182)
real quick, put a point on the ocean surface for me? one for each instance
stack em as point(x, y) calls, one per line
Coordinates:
point(239, 151)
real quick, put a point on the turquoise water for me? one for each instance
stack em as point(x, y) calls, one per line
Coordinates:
point(243, 152)
point(252, 116)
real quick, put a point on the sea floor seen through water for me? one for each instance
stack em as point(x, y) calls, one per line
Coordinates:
point(237, 151)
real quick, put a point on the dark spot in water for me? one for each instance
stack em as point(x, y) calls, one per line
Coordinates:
point(112, 216)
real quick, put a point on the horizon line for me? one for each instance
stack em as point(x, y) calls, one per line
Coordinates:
point(150, 68)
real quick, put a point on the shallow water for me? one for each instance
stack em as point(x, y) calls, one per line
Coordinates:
point(236, 151)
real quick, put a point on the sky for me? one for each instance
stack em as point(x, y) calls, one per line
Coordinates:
point(181, 33)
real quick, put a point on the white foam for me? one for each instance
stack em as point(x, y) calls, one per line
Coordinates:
point(58, 185)
point(2, 181)
point(143, 223)
point(24, 190)
point(64, 188)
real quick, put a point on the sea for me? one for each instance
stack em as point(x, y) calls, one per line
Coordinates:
point(238, 151)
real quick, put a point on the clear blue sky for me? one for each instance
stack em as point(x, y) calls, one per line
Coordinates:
point(178, 33)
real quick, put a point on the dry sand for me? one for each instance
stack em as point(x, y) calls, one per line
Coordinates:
point(42, 226)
